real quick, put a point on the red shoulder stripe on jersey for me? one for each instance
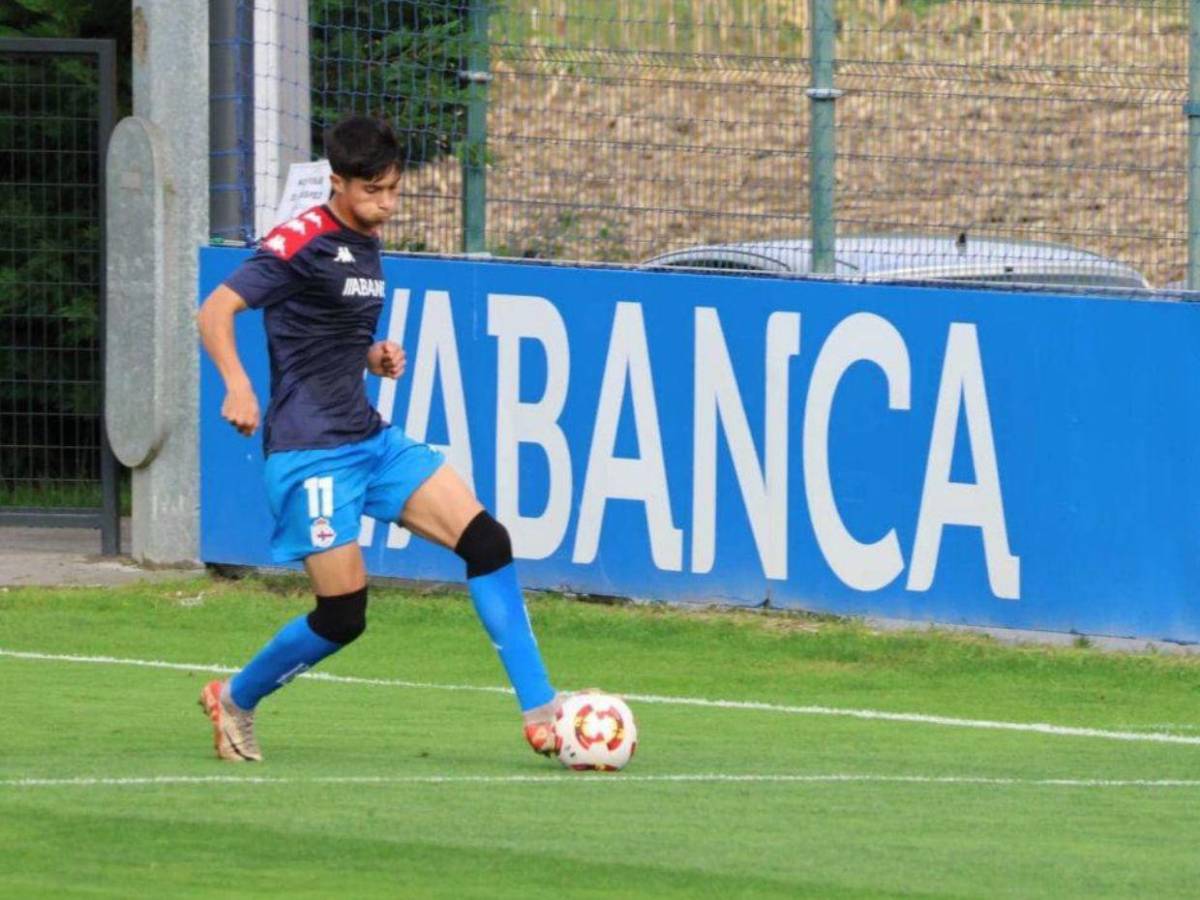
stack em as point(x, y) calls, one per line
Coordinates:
point(289, 238)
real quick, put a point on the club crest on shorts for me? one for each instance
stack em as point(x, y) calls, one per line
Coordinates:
point(323, 534)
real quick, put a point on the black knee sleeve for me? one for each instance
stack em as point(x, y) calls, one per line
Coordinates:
point(484, 545)
point(340, 619)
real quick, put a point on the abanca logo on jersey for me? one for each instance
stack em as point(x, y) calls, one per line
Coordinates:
point(363, 287)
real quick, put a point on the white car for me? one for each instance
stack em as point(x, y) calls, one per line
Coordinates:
point(920, 258)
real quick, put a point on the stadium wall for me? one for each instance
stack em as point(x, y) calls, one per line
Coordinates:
point(958, 456)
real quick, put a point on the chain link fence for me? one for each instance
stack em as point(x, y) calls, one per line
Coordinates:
point(616, 131)
point(57, 103)
point(57, 109)
point(1020, 120)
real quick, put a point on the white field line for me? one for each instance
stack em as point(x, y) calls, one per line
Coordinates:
point(868, 714)
point(1164, 726)
point(595, 778)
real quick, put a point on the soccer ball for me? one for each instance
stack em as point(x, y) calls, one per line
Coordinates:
point(594, 730)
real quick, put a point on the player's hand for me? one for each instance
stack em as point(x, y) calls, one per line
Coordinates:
point(240, 409)
point(386, 359)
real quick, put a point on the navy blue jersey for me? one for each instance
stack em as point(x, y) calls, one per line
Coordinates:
point(320, 286)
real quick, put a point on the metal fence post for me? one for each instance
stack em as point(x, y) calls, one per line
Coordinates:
point(110, 470)
point(474, 151)
point(231, 134)
point(823, 152)
point(1193, 113)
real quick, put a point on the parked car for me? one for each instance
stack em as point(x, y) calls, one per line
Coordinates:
point(921, 258)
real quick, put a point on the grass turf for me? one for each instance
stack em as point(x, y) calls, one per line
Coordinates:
point(430, 804)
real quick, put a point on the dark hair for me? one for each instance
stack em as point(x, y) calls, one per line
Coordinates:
point(361, 147)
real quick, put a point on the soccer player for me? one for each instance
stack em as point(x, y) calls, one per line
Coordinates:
point(329, 456)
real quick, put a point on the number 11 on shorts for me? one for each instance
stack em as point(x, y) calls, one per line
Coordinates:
point(320, 496)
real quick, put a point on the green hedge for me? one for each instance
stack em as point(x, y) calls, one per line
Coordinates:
point(397, 60)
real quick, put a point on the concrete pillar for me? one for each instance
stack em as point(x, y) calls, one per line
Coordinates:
point(171, 102)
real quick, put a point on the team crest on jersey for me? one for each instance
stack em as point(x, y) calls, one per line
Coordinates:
point(363, 287)
point(322, 533)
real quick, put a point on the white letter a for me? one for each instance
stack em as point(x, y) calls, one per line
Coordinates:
point(945, 502)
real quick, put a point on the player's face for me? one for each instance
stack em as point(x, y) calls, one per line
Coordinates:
point(365, 204)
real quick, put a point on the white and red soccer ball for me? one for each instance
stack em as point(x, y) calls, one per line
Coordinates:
point(594, 730)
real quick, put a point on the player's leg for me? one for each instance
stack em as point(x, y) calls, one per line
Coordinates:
point(339, 617)
point(317, 499)
point(444, 510)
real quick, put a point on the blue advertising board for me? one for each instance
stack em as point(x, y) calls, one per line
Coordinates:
point(959, 456)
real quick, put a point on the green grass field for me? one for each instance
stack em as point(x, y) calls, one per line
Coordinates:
point(409, 778)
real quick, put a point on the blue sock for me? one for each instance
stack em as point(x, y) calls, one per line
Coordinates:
point(294, 648)
point(501, 608)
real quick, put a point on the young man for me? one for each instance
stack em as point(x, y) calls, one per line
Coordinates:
point(330, 458)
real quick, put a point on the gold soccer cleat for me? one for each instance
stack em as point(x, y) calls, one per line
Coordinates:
point(233, 727)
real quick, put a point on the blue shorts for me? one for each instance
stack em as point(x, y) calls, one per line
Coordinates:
point(318, 497)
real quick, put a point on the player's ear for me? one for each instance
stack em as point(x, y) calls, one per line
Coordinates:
point(337, 183)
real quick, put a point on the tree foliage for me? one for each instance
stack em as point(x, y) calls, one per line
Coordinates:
point(396, 59)
point(77, 19)
point(49, 356)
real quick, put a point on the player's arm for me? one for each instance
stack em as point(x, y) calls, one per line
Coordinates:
point(215, 323)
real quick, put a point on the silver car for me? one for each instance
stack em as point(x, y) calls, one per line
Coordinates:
point(920, 258)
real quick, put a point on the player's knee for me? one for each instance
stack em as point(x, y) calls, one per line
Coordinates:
point(340, 619)
point(484, 546)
